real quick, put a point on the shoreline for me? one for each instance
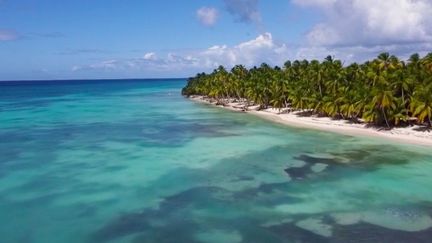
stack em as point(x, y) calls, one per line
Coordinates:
point(400, 134)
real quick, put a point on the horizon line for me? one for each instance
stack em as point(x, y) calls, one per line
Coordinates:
point(86, 79)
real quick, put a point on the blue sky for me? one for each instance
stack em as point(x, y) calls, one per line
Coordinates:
point(48, 39)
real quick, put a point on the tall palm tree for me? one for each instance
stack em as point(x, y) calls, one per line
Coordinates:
point(382, 100)
point(421, 105)
point(427, 62)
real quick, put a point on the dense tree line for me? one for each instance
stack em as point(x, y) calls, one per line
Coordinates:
point(385, 91)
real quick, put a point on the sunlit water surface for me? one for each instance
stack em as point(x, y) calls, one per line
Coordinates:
point(133, 161)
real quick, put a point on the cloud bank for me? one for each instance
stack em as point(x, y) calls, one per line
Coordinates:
point(370, 22)
point(263, 48)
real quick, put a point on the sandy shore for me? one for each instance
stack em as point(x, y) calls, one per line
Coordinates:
point(411, 135)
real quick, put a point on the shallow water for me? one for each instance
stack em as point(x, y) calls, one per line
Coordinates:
point(133, 161)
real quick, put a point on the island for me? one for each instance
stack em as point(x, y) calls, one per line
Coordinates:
point(386, 96)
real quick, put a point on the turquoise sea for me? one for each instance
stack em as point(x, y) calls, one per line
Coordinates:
point(134, 161)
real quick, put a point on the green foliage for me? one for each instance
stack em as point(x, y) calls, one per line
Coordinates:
point(385, 91)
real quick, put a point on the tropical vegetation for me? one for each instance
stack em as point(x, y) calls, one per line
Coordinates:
point(385, 91)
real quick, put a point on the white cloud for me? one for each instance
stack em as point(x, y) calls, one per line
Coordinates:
point(253, 52)
point(8, 35)
point(150, 56)
point(262, 41)
point(371, 22)
point(207, 16)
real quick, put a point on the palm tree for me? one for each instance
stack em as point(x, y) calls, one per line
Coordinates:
point(401, 83)
point(349, 104)
point(385, 90)
point(399, 112)
point(382, 100)
point(427, 62)
point(386, 62)
point(421, 105)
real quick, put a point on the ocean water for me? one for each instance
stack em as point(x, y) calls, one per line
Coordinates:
point(134, 161)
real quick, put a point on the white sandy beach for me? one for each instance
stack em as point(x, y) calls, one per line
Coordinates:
point(411, 134)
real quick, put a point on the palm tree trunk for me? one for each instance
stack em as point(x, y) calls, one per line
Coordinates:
point(403, 96)
point(405, 105)
point(385, 117)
